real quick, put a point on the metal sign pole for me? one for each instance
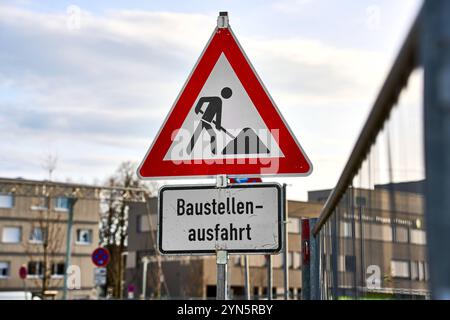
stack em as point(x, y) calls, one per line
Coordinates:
point(222, 283)
point(221, 255)
point(247, 277)
point(269, 277)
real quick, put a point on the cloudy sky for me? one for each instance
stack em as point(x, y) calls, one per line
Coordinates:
point(92, 83)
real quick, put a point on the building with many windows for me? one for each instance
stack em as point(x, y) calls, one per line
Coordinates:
point(376, 232)
point(33, 233)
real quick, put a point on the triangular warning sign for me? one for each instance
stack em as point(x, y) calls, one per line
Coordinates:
point(224, 123)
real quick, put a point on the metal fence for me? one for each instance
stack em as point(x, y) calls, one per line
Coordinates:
point(373, 227)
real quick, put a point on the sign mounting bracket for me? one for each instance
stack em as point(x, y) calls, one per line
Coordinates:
point(221, 181)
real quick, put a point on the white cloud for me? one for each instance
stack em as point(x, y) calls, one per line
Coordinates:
point(313, 72)
point(290, 6)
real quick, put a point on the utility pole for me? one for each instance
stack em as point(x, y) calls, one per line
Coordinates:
point(71, 203)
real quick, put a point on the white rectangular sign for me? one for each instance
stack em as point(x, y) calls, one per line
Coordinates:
point(204, 219)
point(100, 276)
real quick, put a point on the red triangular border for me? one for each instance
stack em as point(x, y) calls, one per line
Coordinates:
point(294, 162)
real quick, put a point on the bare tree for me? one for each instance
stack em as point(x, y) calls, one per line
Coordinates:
point(45, 242)
point(49, 164)
point(114, 220)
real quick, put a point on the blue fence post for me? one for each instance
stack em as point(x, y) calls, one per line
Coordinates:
point(315, 261)
point(306, 284)
point(435, 50)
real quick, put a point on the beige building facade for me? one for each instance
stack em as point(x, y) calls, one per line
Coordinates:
point(33, 233)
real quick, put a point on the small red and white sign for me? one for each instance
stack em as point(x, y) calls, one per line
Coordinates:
point(23, 272)
point(224, 122)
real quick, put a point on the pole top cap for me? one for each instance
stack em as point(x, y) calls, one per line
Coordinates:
point(222, 20)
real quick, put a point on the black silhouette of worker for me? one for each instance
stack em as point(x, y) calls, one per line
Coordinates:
point(211, 116)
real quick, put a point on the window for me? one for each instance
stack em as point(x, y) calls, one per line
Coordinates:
point(418, 236)
point(277, 261)
point(84, 236)
point(401, 234)
point(290, 259)
point(346, 263)
point(418, 270)
point(279, 292)
point(360, 201)
point(292, 292)
point(256, 261)
point(35, 269)
point(4, 269)
point(146, 223)
point(274, 291)
point(421, 269)
point(346, 229)
point(414, 270)
point(297, 260)
point(6, 200)
point(40, 203)
point(400, 269)
point(380, 232)
point(237, 261)
point(62, 203)
point(58, 270)
point(341, 263)
point(211, 291)
point(350, 263)
point(294, 225)
point(12, 235)
point(37, 235)
point(131, 260)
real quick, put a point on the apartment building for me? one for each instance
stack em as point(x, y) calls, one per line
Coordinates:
point(195, 276)
point(381, 228)
point(33, 233)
